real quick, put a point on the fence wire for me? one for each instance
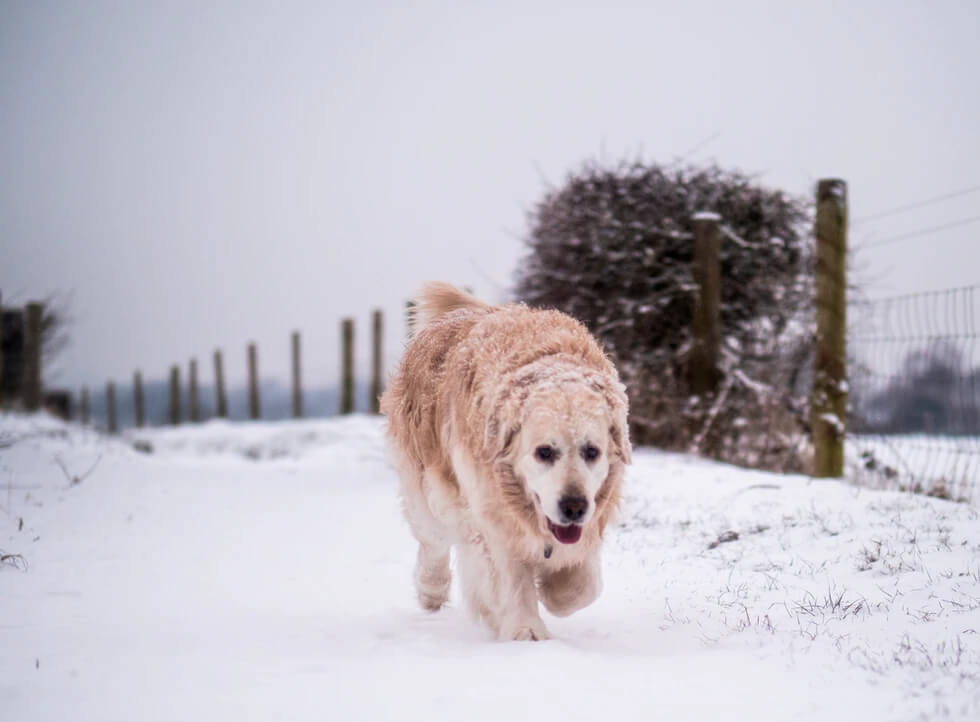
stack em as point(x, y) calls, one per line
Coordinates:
point(915, 393)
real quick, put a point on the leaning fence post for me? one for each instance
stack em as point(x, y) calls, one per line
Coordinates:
point(828, 405)
point(347, 370)
point(32, 352)
point(221, 408)
point(193, 407)
point(174, 395)
point(138, 410)
point(110, 408)
point(297, 378)
point(254, 409)
point(704, 368)
point(377, 328)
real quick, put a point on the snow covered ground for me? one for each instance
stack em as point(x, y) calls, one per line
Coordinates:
point(263, 572)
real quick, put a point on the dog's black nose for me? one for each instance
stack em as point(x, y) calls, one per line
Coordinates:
point(573, 508)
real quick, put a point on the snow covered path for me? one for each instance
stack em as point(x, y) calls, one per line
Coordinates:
point(263, 572)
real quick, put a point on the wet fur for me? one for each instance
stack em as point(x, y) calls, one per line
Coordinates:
point(467, 382)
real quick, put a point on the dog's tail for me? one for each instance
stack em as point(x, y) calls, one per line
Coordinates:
point(437, 299)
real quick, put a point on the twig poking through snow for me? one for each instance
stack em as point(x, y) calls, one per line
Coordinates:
point(724, 537)
point(73, 479)
point(13, 560)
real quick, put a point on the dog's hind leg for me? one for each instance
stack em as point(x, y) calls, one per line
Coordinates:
point(432, 574)
point(567, 590)
point(478, 580)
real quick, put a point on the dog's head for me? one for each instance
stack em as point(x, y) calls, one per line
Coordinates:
point(566, 443)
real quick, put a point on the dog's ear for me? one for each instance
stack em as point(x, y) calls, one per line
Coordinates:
point(504, 422)
point(499, 438)
point(619, 430)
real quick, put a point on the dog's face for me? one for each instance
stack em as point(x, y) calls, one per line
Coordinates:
point(563, 453)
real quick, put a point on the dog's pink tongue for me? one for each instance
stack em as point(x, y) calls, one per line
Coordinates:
point(567, 534)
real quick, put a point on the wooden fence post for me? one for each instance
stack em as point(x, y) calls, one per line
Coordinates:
point(221, 409)
point(704, 367)
point(83, 406)
point(409, 319)
point(32, 353)
point(12, 349)
point(828, 405)
point(1, 352)
point(110, 408)
point(347, 367)
point(254, 408)
point(139, 411)
point(174, 395)
point(377, 328)
point(58, 403)
point(194, 407)
point(297, 378)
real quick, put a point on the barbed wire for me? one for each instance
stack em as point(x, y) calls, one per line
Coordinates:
point(916, 205)
point(921, 232)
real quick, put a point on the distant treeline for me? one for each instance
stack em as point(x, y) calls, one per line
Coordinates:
point(935, 392)
point(276, 403)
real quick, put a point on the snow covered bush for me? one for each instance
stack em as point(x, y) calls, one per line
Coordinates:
point(614, 246)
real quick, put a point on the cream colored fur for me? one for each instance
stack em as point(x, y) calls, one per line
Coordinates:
point(481, 387)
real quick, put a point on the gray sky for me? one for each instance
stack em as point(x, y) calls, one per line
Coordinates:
point(199, 175)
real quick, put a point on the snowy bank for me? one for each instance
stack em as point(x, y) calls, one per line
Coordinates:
point(262, 571)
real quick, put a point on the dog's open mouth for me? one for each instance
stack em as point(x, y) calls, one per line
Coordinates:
point(566, 534)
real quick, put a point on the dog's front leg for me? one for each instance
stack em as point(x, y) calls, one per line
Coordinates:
point(521, 621)
point(518, 595)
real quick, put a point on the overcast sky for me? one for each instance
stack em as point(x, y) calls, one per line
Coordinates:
point(199, 175)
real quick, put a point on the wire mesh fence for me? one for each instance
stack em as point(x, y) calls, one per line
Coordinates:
point(915, 393)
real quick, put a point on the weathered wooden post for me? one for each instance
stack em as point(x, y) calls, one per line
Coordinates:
point(12, 349)
point(347, 367)
point(409, 319)
point(194, 407)
point(139, 411)
point(57, 402)
point(32, 357)
point(2, 349)
point(174, 395)
point(221, 405)
point(297, 379)
point(254, 408)
point(828, 405)
point(377, 329)
point(110, 408)
point(704, 367)
point(83, 406)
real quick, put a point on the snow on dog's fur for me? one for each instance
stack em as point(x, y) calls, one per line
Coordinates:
point(508, 427)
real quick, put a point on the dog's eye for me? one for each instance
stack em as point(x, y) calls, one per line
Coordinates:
point(590, 452)
point(545, 453)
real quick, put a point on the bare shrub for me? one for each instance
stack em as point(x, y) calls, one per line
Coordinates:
point(614, 247)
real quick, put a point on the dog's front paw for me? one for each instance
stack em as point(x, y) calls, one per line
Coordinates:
point(533, 632)
point(568, 590)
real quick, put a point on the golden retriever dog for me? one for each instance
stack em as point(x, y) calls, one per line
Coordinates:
point(508, 429)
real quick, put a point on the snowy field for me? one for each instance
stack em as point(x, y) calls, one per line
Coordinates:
point(262, 572)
